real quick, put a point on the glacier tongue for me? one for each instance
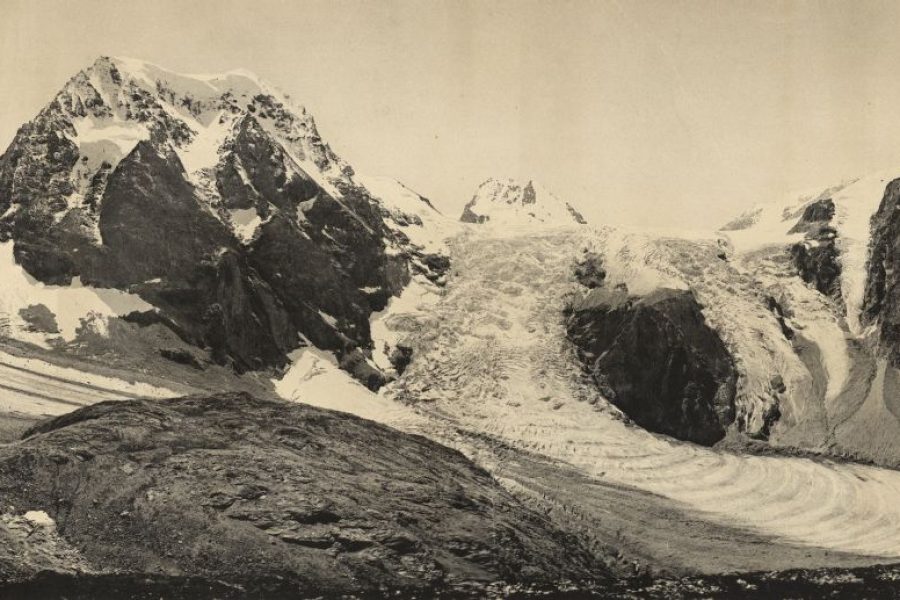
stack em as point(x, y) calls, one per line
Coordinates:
point(491, 359)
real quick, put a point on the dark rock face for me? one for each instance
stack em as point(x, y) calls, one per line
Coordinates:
point(254, 154)
point(469, 216)
point(146, 226)
point(816, 258)
point(881, 301)
point(656, 359)
point(590, 272)
point(236, 489)
point(152, 223)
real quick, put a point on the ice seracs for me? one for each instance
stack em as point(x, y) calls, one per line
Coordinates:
point(514, 204)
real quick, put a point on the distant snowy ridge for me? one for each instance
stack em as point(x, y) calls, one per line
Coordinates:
point(513, 204)
point(411, 213)
point(855, 202)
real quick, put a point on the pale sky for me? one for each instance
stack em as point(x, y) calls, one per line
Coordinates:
point(653, 112)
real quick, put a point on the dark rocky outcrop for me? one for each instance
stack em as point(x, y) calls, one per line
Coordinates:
point(39, 318)
point(400, 357)
point(781, 316)
point(468, 216)
point(872, 583)
point(590, 272)
point(816, 257)
point(881, 300)
point(657, 360)
point(239, 490)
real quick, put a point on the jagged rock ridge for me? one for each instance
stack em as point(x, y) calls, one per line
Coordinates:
point(215, 199)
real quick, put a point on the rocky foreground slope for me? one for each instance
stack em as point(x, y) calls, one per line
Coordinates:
point(289, 498)
point(232, 497)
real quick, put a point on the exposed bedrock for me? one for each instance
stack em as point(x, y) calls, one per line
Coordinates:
point(232, 218)
point(881, 301)
point(816, 257)
point(237, 490)
point(655, 358)
point(310, 267)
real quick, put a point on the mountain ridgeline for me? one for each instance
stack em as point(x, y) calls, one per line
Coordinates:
point(538, 376)
point(215, 200)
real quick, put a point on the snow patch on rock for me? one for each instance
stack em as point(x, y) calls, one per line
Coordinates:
point(72, 305)
point(245, 222)
point(314, 378)
point(511, 204)
point(40, 518)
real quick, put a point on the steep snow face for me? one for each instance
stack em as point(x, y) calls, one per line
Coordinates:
point(410, 213)
point(768, 227)
point(512, 204)
point(314, 378)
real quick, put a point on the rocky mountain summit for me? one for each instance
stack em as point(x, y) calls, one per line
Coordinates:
point(510, 203)
point(214, 199)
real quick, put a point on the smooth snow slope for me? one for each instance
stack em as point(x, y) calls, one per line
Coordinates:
point(35, 387)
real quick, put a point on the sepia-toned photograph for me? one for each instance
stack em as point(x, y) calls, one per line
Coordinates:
point(449, 299)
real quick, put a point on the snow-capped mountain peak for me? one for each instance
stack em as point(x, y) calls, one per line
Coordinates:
point(102, 113)
point(240, 82)
point(113, 104)
point(512, 203)
point(142, 179)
